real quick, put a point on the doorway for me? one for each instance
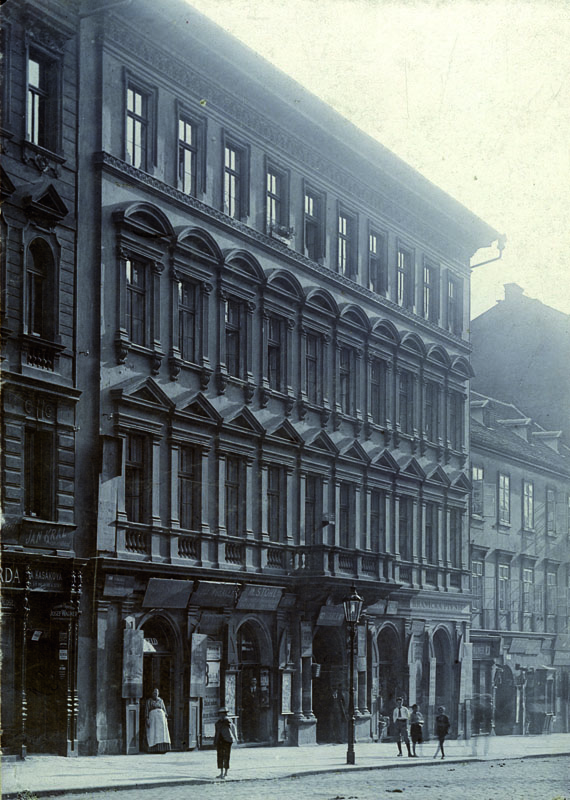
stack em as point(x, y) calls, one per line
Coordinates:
point(158, 672)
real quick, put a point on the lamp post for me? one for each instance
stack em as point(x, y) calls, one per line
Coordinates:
point(352, 609)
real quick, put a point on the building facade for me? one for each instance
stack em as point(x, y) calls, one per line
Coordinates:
point(520, 563)
point(266, 400)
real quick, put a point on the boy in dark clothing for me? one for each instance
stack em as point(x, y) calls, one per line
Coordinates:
point(224, 736)
point(441, 729)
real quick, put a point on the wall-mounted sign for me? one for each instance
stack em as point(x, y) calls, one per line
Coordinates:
point(286, 693)
point(306, 639)
point(132, 662)
point(64, 611)
point(119, 585)
point(50, 537)
point(167, 593)
point(331, 615)
point(213, 594)
point(43, 579)
point(260, 598)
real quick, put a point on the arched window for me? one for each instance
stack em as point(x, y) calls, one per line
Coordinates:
point(40, 306)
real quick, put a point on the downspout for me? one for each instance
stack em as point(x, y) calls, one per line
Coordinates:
point(501, 244)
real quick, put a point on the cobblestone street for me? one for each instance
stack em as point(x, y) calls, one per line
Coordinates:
point(534, 779)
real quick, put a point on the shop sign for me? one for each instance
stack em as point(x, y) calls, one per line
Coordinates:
point(198, 664)
point(259, 598)
point(119, 585)
point(11, 577)
point(52, 537)
point(392, 607)
point(286, 693)
point(331, 615)
point(133, 641)
point(42, 579)
point(167, 593)
point(63, 612)
point(213, 594)
point(214, 651)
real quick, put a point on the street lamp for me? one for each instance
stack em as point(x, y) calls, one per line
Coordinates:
point(352, 608)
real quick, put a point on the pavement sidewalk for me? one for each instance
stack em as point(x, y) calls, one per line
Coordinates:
point(46, 775)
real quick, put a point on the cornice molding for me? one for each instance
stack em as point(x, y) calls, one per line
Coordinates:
point(168, 193)
point(260, 127)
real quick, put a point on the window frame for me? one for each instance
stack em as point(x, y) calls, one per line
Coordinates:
point(378, 399)
point(346, 509)
point(527, 505)
point(148, 120)
point(377, 262)
point(455, 285)
point(347, 242)
point(408, 416)
point(503, 580)
point(316, 220)
point(430, 291)
point(240, 172)
point(456, 421)
point(39, 466)
point(477, 510)
point(279, 200)
point(550, 511)
point(143, 470)
point(431, 419)
point(314, 398)
point(276, 503)
point(405, 276)
point(347, 379)
point(431, 524)
point(49, 96)
point(504, 498)
point(197, 148)
point(277, 350)
point(405, 527)
point(189, 488)
point(235, 485)
point(477, 583)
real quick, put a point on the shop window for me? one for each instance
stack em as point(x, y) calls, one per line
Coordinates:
point(43, 100)
point(39, 472)
point(235, 496)
point(137, 482)
point(189, 483)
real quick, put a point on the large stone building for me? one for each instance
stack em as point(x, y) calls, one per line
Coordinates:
point(235, 384)
point(520, 562)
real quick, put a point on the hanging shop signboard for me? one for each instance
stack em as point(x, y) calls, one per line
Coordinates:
point(51, 537)
point(259, 598)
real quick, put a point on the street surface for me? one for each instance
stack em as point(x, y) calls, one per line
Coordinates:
point(534, 779)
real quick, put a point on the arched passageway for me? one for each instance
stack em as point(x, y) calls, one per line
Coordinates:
point(330, 688)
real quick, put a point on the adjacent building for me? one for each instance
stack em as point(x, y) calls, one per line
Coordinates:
point(521, 352)
point(520, 564)
point(236, 383)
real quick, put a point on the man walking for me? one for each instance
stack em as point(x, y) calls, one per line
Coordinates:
point(401, 716)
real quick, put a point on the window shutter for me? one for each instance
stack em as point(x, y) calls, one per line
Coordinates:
point(489, 500)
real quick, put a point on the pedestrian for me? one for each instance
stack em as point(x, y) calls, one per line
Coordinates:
point(157, 735)
point(441, 729)
point(224, 736)
point(416, 725)
point(400, 717)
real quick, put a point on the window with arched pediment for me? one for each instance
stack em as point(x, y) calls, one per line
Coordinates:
point(40, 317)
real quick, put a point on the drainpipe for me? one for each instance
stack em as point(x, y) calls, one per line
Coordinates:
point(501, 244)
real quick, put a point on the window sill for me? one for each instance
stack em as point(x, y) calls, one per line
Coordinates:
point(506, 525)
point(477, 517)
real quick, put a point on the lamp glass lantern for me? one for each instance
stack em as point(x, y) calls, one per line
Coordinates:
point(352, 607)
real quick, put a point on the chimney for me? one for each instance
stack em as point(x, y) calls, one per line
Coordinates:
point(513, 292)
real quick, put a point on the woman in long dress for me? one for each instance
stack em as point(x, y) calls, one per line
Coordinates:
point(157, 735)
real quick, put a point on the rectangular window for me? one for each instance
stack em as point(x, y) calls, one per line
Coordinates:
point(276, 495)
point(431, 533)
point(276, 353)
point(377, 520)
point(36, 281)
point(551, 600)
point(39, 468)
point(477, 491)
point(189, 488)
point(377, 272)
point(455, 305)
point(431, 419)
point(456, 410)
point(346, 494)
point(276, 201)
point(504, 499)
point(346, 244)
point(136, 485)
point(528, 505)
point(550, 511)
point(504, 579)
point(405, 279)
point(431, 293)
point(406, 404)
point(235, 338)
point(346, 380)
point(405, 528)
point(378, 391)
point(42, 101)
point(313, 504)
point(477, 584)
point(455, 537)
point(312, 365)
point(187, 320)
point(136, 301)
point(187, 156)
point(235, 181)
point(312, 225)
point(235, 496)
point(527, 590)
point(137, 127)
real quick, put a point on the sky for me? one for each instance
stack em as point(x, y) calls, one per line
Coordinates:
point(474, 95)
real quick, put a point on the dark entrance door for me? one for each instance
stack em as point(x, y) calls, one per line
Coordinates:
point(330, 695)
point(158, 673)
point(46, 690)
